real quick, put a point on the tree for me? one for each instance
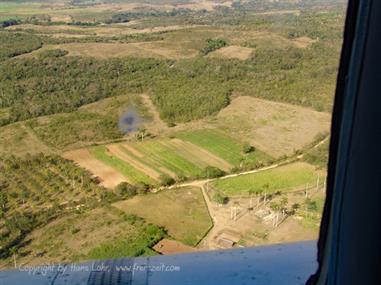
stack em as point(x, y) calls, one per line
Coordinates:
point(275, 207)
point(142, 188)
point(142, 133)
point(13, 252)
point(125, 190)
point(247, 148)
point(213, 172)
point(166, 180)
point(220, 199)
point(295, 207)
point(283, 205)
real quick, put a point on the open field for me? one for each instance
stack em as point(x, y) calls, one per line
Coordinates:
point(182, 212)
point(109, 177)
point(167, 246)
point(175, 42)
point(237, 52)
point(19, 139)
point(275, 128)
point(118, 50)
point(222, 145)
point(287, 177)
point(132, 174)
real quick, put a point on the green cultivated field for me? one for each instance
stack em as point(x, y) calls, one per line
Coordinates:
point(159, 155)
point(273, 180)
point(223, 146)
point(121, 166)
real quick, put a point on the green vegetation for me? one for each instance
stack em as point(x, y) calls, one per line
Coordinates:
point(212, 45)
point(225, 147)
point(219, 198)
point(166, 180)
point(157, 154)
point(318, 156)
point(212, 172)
point(126, 190)
point(37, 189)
point(14, 44)
point(132, 245)
point(100, 153)
point(75, 129)
point(182, 212)
point(61, 89)
point(287, 178)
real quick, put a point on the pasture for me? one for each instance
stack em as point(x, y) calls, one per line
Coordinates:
point(284, 178)
point(182, 212)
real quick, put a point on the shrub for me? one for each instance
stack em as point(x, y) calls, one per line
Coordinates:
point(220, 199)
point(142, 188)
point(125, 190)
point(212, 45)
point(212, 172)
point(247, 148)
point(166, 180)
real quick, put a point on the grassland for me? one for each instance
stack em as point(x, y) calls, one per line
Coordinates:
point(182, 212)
point(273, 127)
point(283, 178)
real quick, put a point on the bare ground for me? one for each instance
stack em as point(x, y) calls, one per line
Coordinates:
point(156, 125)
point(237, 52)
point(109, 176)
point(167, 246)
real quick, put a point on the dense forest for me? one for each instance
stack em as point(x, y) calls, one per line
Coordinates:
point(54, 83)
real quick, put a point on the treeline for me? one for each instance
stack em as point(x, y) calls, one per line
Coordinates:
point(149, 37)
point(9, 22)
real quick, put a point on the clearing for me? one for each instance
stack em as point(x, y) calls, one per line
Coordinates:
point(275, 128)
point(237, 52)
point(19, 139)
point(182, 212)
point(117, 50)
